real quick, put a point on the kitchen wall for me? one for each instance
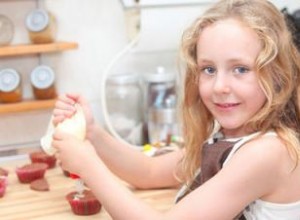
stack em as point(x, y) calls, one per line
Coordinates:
point(99, 27)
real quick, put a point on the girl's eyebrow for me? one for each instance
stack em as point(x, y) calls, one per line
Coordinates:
point(232, 60)
point(204, 60)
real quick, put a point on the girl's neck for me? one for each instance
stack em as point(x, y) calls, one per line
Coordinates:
point(235, 133)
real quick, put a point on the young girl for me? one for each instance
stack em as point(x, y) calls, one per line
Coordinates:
point(241, 127)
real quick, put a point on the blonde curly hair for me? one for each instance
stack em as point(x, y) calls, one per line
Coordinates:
point(278, 68)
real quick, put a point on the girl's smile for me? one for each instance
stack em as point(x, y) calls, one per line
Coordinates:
point(226, 106)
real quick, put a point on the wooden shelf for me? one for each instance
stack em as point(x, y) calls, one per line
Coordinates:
point(25, 49)
point(26, 105)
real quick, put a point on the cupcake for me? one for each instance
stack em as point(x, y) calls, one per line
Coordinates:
point(3, 172)
point(30, 172)
point(42, 157)
point(3, 184)
point(83, 205)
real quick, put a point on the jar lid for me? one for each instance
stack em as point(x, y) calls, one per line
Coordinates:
point(121, 79)
point(9, 80)
point(6, 30)
point(160, 76)
point(42, 77)
point(37, 20)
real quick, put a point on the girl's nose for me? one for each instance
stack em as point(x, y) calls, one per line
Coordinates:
point(221, 84)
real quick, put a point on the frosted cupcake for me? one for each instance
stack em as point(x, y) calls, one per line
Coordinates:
point(87, 204)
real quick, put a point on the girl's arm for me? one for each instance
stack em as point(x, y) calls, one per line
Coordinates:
point(133, 166)
point(253, 172)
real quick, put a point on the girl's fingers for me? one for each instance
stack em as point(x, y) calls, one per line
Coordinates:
point(67, 99)
point(63, 112)
point(58, 119)
point(64, 106)
point(73, 97)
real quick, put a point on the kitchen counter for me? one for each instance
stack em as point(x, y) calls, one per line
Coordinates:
point(22, 203)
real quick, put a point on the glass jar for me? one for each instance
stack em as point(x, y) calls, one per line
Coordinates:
point(42, 80)
point(124, 105)
point(10, 86)
point(41, 26)
point(6, 30)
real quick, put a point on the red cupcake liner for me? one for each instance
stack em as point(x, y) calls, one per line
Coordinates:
point(30, 172)
point(42, 157)
point(3, 184)
point(87, 205)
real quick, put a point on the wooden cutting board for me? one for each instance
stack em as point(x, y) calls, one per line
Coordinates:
point(22, 203)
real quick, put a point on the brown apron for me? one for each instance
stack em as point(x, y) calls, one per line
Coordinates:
point(213, 157)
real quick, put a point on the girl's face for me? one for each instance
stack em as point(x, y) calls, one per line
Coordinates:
point(228, 83)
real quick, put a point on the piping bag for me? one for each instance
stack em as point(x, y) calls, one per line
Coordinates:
point(76, 126)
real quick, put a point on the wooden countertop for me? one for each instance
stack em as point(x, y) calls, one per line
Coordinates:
point(22, 203)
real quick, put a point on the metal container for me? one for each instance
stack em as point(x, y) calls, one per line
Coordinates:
point(159, 104)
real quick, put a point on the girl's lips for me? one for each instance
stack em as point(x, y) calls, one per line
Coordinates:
point(226, 105)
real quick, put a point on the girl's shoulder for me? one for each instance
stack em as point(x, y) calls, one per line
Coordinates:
point(273, 164)
point(267, 143)
point(258, 145)
point(266, 156)
point(262, 162)
point(268, 148)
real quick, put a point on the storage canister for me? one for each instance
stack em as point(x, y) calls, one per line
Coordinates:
point(160, 90)
point(10, 86)
point(160, 100)
point(6, 30)
point(124, 105)
point(41, 26)
point(43, 82)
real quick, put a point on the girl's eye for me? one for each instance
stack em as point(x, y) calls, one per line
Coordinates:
point(208, 70)
point(241, 70)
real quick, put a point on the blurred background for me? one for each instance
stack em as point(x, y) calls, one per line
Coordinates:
point(122, 55)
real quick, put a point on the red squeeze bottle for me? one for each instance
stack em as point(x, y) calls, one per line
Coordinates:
point(74, 176)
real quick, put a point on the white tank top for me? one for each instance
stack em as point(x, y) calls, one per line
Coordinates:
point(263, 210)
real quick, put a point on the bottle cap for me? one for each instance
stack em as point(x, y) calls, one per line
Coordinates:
point(37, 20)
point(9, 80)
point(42, 77)
point(160, 76)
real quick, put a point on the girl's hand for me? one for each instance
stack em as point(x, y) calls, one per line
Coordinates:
point(73, 153)
point(64, 108)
